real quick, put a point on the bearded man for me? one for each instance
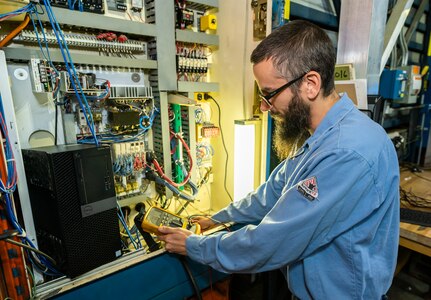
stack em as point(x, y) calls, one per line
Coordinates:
point(328, 215)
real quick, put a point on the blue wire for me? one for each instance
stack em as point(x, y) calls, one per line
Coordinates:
point(135, 230)
point(37, 37)
point(123, 221)
point(44, 38)
point(29, 7)
point(71, 69)
point(101, 96)
point(17, 226)
point(8, 201)
point(151, 118)
point(132, 240)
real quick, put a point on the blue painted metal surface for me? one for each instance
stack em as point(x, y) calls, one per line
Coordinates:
point(426, 110)
point(392, 84)
point(323, 19)
point(162, 277)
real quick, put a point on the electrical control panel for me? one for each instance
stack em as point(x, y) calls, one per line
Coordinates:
point(92, 6)
point(401, 85)
point(393, 84)
point(99, 79)
point(413, 84)
point(192, 62)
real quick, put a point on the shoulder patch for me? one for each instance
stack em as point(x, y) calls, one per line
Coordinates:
point(308, 188)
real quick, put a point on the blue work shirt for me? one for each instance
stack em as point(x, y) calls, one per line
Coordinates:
point(328, 217)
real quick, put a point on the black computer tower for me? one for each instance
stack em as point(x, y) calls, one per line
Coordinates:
point(73, 202)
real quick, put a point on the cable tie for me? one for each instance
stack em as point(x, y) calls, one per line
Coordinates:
point(10, 159)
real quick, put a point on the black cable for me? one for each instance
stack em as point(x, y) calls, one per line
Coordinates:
point(32, 249)
point(378, 108)
point(151, 243)
point(192, 279)
point(206, 96)
point(368, 111)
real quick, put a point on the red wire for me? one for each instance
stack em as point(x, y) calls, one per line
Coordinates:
point(189, 173)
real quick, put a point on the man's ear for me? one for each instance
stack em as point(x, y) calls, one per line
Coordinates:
point(313, 82)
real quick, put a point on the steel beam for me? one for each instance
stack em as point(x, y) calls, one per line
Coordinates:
point(393, 28)
point(417, 17)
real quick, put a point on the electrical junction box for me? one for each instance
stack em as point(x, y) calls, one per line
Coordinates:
point(208, 22)
point(413, 84)
point(393, 84)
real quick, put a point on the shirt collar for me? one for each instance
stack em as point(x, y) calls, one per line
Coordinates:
point(333, 117)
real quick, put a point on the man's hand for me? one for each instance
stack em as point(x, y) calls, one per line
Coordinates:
point(204, 222)
point(175, 239)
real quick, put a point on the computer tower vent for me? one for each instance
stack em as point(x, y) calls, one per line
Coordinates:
point(74, 205)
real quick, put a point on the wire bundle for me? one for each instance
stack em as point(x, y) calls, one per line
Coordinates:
point(40, 261)
point(26, 9)
point(113, 137)
point(72, 4)
point(148, 119)
point(135, 241)
point(203, 151)
point(124, 165)
point(103, 96)
point(70, 68)
point(163, 175)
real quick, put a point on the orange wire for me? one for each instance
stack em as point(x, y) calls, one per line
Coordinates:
point(15, 32)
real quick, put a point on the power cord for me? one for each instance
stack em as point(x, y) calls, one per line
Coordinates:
point(31, 249)
point(192, 278)
point(206, 97)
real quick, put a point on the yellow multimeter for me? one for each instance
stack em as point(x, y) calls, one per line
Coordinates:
point(155, 217)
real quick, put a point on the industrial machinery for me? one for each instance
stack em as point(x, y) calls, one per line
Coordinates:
point(88, 100)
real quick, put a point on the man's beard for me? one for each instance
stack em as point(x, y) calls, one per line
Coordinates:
point(291, 128)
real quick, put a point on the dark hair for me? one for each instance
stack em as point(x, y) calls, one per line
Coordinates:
point(298, 47)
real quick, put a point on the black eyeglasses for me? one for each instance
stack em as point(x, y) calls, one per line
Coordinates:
point(267, 97)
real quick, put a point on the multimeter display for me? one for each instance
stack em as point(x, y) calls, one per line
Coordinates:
point(156, 217)
point(160, 217)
